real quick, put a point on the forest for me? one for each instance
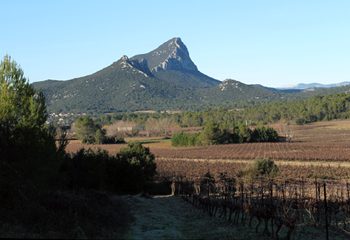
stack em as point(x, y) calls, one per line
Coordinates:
point(318, 108)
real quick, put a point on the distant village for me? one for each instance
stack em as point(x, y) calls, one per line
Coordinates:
point(63, 119)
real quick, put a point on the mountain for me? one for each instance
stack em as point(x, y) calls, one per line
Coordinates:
point(165, 78)
point(303, 86)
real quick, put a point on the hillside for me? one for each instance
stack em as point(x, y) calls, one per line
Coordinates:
point(165, 78)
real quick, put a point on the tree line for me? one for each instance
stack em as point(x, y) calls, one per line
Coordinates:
point(317, 108)
point(214, 133)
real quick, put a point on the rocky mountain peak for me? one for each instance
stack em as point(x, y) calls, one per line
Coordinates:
point(171, 55)
point(175, 43)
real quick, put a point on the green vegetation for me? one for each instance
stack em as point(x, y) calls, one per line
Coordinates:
point(89, 132)
point(185, 139)
point(141, 167)
point(27, 145)
point(264, 134)
point(37, 176)
point(262, 168)
point(127, 172)
point(214, 134)
point(314, 109)
point(318, 108)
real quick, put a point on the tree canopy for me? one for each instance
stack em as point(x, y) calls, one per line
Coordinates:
point(23, 132)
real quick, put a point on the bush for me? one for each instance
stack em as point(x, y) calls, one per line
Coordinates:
point(264, 134)
point(127, 172)
point(86, 130)
point(141, 166)
point(211, 134)
point(100, 137)
point(85, 169)
point(89, 132)
point(185, 139)
point(300, 121)
point(244, 134)
point(263, 168)
point(113, 140)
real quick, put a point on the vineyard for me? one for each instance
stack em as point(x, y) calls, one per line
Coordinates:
point(278, 209)
point(322, 141)
point(190, 169)
point(309, 197)
point(276, 151)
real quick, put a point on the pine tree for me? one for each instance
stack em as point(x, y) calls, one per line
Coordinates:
point(27, 144)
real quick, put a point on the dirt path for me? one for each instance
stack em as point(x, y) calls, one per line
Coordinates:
point(170, 217)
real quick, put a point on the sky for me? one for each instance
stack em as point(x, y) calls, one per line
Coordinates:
point(274, 43)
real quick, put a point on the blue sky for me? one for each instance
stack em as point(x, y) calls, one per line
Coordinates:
point(275, 43)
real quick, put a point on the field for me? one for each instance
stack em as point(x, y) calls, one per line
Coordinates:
point(322, 141)
point(319, 150)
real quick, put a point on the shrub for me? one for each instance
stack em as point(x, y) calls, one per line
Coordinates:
point(244, 134)
point(300, 121)
point(211, 134)
point(127, 172)
point(263, 168)
point(185, 139)
point(86, 129)
point(85, 170)
point(113, 140)
point(140, 158)
point(89, 132)
point(131, 169)
point(264, 134)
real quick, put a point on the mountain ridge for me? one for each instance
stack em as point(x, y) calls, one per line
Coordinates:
point(303, 86)
point(165, 78)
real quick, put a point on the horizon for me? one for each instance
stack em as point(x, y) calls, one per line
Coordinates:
point(269, 43)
